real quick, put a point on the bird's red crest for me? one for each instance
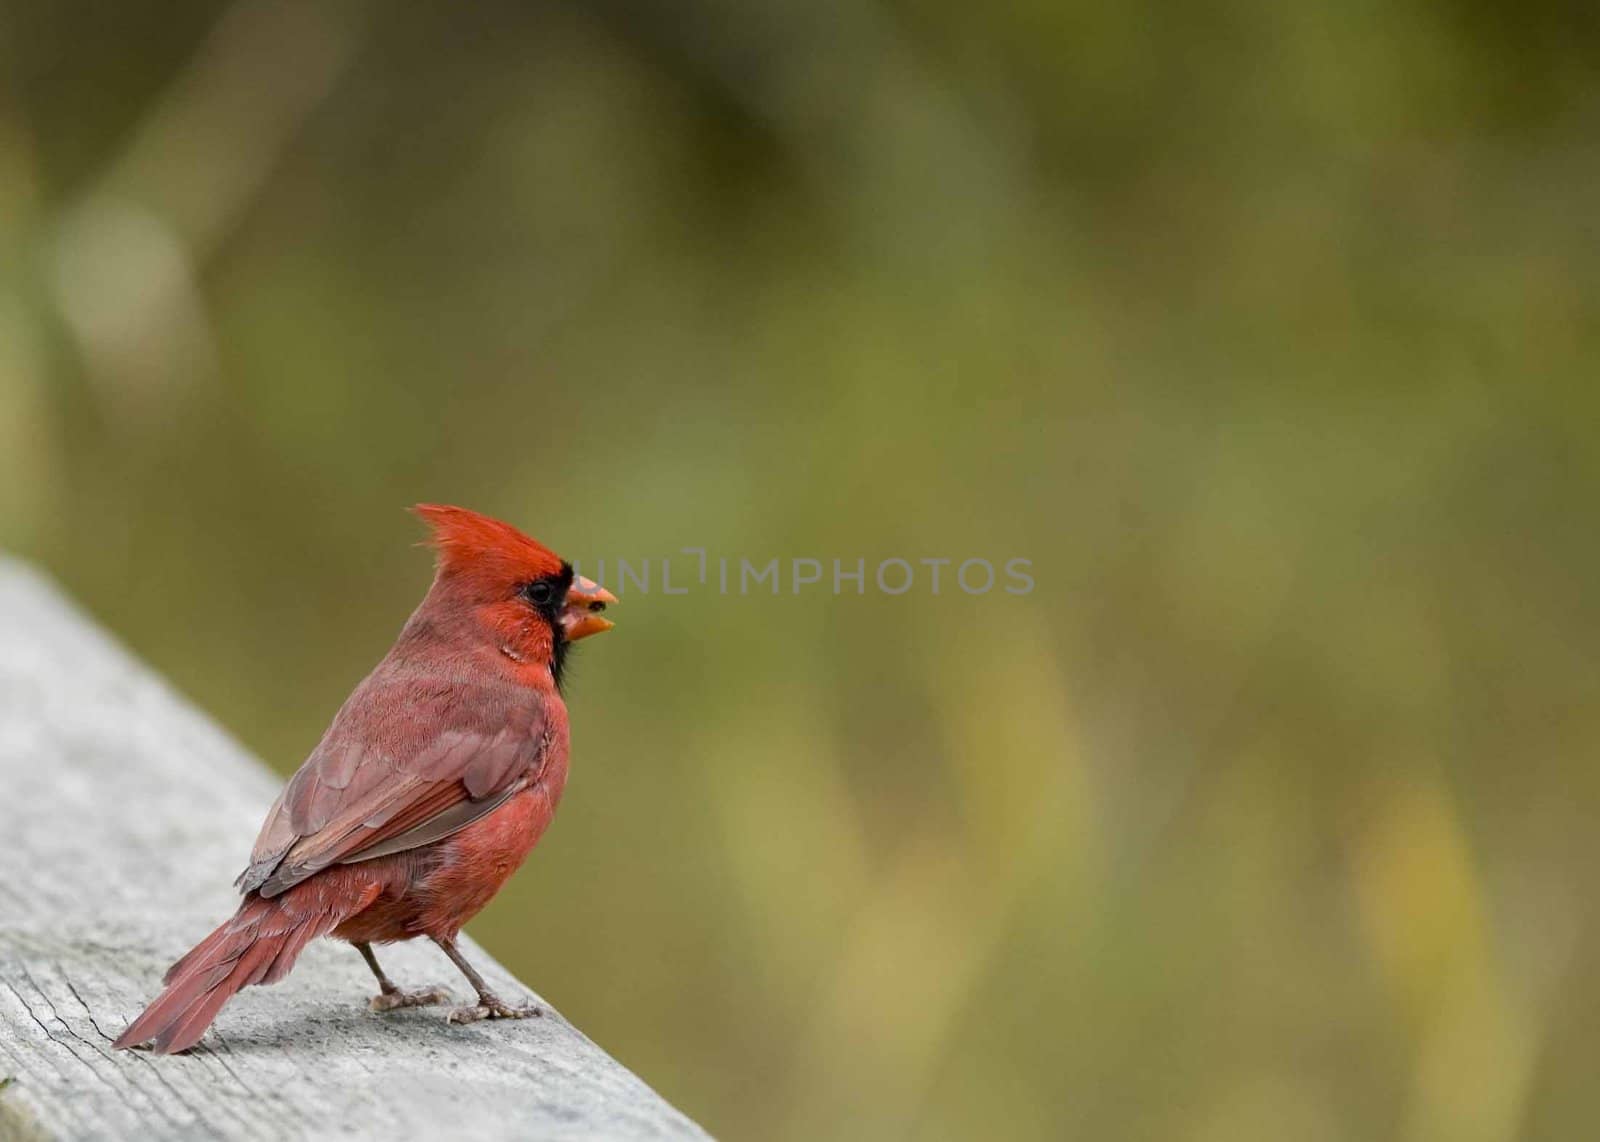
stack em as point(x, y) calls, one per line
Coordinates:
point(475, 545)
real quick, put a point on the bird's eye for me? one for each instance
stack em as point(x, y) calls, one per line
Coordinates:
point(540, 592)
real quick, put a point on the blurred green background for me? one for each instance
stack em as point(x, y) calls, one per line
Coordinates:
point(1267, 331)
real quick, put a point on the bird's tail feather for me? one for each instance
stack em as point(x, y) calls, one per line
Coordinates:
point(258, 945)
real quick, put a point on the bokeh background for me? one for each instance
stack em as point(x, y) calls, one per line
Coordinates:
point(1267, 331)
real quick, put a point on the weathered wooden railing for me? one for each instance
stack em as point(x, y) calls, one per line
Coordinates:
point(123, 812)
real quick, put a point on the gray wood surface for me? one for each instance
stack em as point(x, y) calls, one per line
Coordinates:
point(124, 813)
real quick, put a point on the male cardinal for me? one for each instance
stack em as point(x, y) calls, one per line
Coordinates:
point(432, 784)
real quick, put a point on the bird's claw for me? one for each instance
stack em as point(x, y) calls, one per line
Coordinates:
point(396, 999)
point(492, 1007)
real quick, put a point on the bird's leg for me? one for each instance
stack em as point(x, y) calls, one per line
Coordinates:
point(389, 996)
point(489, 1005)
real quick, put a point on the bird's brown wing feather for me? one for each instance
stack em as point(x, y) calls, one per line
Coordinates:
point(376, 786)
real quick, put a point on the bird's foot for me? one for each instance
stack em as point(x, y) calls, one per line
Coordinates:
point(398, 998)
point(490, 1006)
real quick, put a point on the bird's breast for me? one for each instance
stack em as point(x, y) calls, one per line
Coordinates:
point(475, 863)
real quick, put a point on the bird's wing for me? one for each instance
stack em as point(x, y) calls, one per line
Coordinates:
point(378, 784)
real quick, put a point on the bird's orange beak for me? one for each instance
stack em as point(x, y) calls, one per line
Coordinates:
point(580, 618)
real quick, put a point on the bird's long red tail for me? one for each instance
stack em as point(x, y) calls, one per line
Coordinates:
point(259, 945)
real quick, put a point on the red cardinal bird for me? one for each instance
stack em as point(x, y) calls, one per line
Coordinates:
point(435, 780)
